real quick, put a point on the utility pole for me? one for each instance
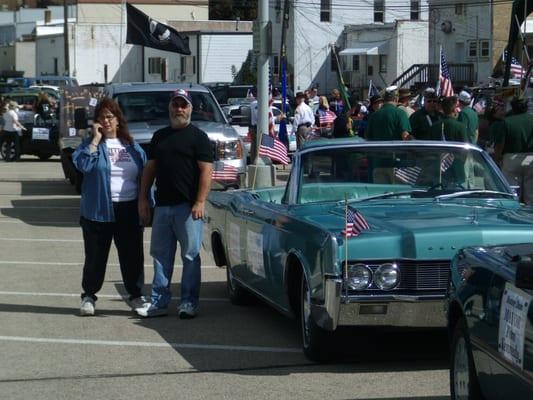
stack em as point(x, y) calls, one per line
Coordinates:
point(65, 37)
point(260, 174)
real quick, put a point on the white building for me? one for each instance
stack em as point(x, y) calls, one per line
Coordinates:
point(315, 25)
point(465, 32)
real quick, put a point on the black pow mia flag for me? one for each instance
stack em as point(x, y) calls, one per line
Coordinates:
point(148, 32)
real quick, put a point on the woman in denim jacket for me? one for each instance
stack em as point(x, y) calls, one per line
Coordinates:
point(112, 164)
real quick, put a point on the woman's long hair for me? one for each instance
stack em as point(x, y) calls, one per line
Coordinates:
point(106, 103)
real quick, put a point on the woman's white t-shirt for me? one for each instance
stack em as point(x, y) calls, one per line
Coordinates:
point(124, 172)
point(10, 117)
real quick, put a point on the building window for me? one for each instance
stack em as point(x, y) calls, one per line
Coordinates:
point(275, 70)
point(383, 63)
point(472, 49)
point(325, 10)
point(154, 65)
point(355, 63)
point(379, 10)
point(188, 65)
point(484, 48)
point(460, 9)
point(415, 10)
point(278, 11)
point(370, 70)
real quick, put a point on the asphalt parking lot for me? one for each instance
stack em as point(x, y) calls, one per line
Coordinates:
point(227, 352)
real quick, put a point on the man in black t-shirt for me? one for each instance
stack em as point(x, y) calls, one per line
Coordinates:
point(180, 160)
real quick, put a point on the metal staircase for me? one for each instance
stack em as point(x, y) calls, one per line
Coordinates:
point(423, 75)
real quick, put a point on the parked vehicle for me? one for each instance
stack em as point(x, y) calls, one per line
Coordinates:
point(145, 106)
point(490, 322)
point(41, 137)
point(414, 203)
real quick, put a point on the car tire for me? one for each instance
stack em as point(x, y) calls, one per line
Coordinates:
point(316, 342)
point(238, 295)
point(463, 377)
point(44, 156)
point(8, 150)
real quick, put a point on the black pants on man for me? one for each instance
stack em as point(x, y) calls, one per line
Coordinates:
point(127, 234)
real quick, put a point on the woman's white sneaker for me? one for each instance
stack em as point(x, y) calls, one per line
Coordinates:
point(87, 306)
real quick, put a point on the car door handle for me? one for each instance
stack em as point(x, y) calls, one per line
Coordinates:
point(247, 211)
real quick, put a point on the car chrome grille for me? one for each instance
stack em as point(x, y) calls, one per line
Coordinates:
point(415, 276)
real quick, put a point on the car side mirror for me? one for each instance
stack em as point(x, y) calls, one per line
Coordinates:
point(246, 116)
point(516, 189)
point(524, 273)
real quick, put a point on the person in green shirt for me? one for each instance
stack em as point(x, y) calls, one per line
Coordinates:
point(468, 116)
point(449, 128)
point(495, 115)
point(514, 149)
point(389, 122)
point(423, 119)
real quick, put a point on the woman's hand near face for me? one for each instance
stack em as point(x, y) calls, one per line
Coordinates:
point(97, 133)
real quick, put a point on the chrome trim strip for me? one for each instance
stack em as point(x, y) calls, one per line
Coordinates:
point(393, 297)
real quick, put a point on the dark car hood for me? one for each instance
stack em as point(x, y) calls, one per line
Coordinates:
point(428, 229)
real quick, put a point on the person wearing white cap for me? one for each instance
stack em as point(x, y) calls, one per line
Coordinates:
point(180, 160)
point(468, 116)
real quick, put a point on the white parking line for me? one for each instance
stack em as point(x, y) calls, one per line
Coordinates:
point(104, 296)
point(48, 240)
point(80, 263)
point(150, 344)
point(39, 208)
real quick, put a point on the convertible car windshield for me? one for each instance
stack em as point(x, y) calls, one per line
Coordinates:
point(365, 173)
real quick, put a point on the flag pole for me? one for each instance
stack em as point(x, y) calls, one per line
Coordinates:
point(346, 239)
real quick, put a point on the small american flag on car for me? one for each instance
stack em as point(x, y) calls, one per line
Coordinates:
point(355, 223)
point(224, 172)
point(272, 148)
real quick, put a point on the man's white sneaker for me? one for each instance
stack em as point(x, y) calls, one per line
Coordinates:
point(138, 302)
point(187, 311)
point(151, 311)
point(87, 306)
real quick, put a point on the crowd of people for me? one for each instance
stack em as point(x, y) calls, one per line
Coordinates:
point(391, 115)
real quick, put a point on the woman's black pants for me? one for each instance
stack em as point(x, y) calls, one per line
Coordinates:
point(127, 234)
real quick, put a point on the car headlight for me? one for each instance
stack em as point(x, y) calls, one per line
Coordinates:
point(387, 276)
point(359, 277)
point(229, 150)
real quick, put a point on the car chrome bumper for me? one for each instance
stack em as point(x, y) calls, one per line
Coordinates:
point(392, 310)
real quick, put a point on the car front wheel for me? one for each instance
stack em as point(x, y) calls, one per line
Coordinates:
point(463, 377)
point(315, 340)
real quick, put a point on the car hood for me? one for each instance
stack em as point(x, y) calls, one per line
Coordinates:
point(429, 230)
point(142, 131)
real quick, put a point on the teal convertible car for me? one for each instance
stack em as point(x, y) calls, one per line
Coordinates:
point(363, 233)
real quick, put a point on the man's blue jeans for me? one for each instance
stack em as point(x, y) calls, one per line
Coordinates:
point(173, 224)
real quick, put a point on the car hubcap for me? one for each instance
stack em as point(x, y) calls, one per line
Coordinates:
point(461, 370)
point(8, 150)
point(306, 312)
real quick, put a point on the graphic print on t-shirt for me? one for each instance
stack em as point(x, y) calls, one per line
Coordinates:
point(117, 155)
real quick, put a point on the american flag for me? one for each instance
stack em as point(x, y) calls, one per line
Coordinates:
point(274, 149)
point(355, 223)
point(517, 71)
point(445, 82)
point(224, 172)
point(408, 175)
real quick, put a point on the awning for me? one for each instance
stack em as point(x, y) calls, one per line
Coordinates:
point(366, 48)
